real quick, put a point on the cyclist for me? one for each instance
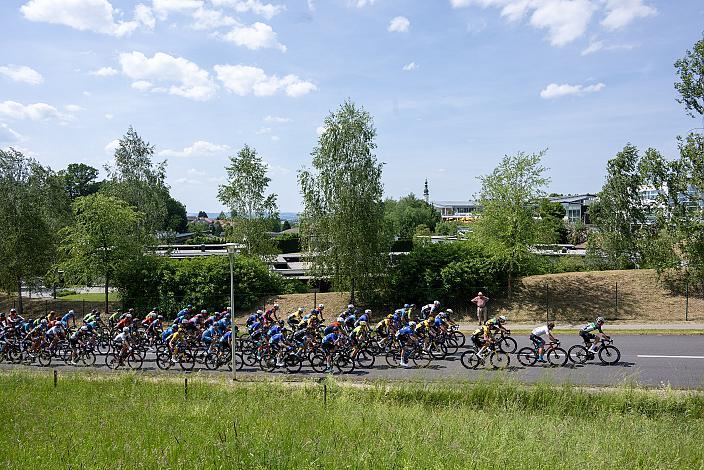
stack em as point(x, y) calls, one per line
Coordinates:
point(429, 309)
point(536, 336)
point(209, 335)
point(358, 336)
point(329, 344)
point(406, 336)
point(76, 339)
point(184, 313)
point(295, 318)
point(124, 340)
point(93, 316)
point(277, 343)
point(55, 334)
point(346, 313)
point(270, 315)
point(71, 315)
point(177, 339)
point(365, 317)
point(590, 339)
point(385, 329)
point(254, 318)
point(497, 324)
point(124, 322)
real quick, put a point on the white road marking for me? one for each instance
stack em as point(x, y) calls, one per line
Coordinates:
point(671, 357)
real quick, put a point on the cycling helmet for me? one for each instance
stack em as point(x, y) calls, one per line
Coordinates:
point(276, 306)
point(368, 311)
point(160, 317)
point(301, 309)
point(502, 318)
point(600, 319)
point(260, 311)
point(448, 311)
point(84, 328)
point(437, 302)
point(12, 310)
point(44, 321)
point(203, 312)
point(390, 316)
point(71, 312)
point(350, 306)
point(189, 306)
point(321, 306)
point(126, 330)
point(406, 306)
point(335, 328)
point(412, 324)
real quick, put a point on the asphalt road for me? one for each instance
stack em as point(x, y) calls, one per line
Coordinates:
point(648, 360)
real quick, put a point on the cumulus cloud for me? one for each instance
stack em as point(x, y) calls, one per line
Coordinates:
point(557, 91)
point(21, 73)
point(277, 119)
point(362, 3)
point(200, 148)
point(257, 36)
point(399, 24)
point(33, 112)
point(596, 46)
point(87, 15)
point(164, 7)
point(409, 67)
point(109, 116)
point(180, 76)
point(8, 135)
point(620, 13)
point(103, 72)
point(211, 19)
point(245, 80)
point(267, 10)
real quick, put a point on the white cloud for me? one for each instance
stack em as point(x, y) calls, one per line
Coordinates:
point(186, 78)
point(256, 36)
point(399, 24)
point(86, 15)
point(33, 112)
point(211, 19)
point(362, 3)
point(264, 130)
point(109, 116)
point(21, 73)
point(277, 119)
point(200, 148)
point(103, 72)
point(596, 46)
point(275, 138)
point(245, 80)
point(620, 13)
point(557, 91)
point(111, 146)
point(267, 10)
point(74, 108)
point(163, 7)
point(311, 5)
point(144, 15)
point(409, 67)
point(7, 135)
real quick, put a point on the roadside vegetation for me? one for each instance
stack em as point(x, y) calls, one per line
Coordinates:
point(132, 422)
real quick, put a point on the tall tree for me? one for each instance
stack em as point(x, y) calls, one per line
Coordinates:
point(690, 71)
point(508, 197)
point(618, 213)
point(252, 210)
point(79, 180)
point(105, 235)
point(404, 215)
point(176, 218)
point(137, 180)
point(29, 216)
point(342, 226)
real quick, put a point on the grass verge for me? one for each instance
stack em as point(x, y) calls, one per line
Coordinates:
point(93, 297)
point(128, 421)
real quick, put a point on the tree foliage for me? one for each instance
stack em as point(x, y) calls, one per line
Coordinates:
point(80, 180)
point(342, 226)
point(690, 71)
point(403, 216)
point(508, 197)
point(176, 218)
point(253, 211)
point(104, 236)
point(550, 227)
point(140, 182)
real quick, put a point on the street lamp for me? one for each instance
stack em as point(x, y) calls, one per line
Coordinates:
point(231, 251)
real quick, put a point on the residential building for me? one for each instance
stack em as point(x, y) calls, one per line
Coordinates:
point(457, 210)
point(576, 206)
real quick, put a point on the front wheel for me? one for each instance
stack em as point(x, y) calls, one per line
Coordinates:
point(135, 360)
point(609, 355)
point(293, 363)
point(88, 358)
point(557, 357)
point(186, 360)
point(508, 345)
point(45, 358)
point(344, 364)
point(365, 359)
point(422, 358)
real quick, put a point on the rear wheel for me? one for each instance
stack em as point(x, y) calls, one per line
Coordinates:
point(187, 360)
point(422, 358)
point(365, 359)
point(527, 356)
point(470, 360)
point(609, 355)
point(557, 357)
point(438, 351)
point(44, 358)
point(578, 354)
point(293, 363)
point(318, 362)
point(344, 364)
point(88, 358)
point(212, 361)
point(459, 338)
point(163, 360)
point(111, 361)
point(393, 358)
point(135, 360)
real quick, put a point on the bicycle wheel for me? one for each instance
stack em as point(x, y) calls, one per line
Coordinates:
point(557, 357)
point(470, 360)
point(344, 363)
point(459, 338)
point(267, 363)
point(508, 345)
point(609, 355)
point(45, 358)
point(318, 362)
point(186, 360)
point(293, 363)
point(438, 351)
point(499, 359)
point(422, 358)
point(163, 360)
point(111, 361)
point(578, 354)
point(527, 356)
point(135, 360)
point(88, 358)
point(393, 358)
point(212, 361)
point(365, 359)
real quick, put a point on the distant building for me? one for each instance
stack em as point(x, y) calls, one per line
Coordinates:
point(457, 210)
point(576, 207)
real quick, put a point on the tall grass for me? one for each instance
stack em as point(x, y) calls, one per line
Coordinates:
point(128, 421)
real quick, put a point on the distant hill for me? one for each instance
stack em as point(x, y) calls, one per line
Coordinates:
point(290, 216)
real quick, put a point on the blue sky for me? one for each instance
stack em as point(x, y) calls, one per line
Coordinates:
point(453, 85)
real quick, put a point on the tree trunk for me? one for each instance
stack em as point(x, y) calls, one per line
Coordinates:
point(107, 279)
point(20, 306)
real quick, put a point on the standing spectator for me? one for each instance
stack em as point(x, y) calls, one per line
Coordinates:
point(480, 301)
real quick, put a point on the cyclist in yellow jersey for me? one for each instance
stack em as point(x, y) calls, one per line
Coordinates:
point(358, 335)
point(176, 339)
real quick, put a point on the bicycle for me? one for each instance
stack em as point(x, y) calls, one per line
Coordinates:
point(556, 356)
point(607, 352)
point(114, 360)
point(498, 359)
